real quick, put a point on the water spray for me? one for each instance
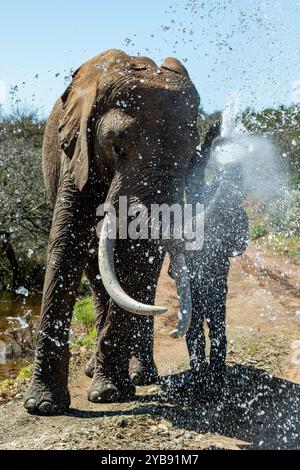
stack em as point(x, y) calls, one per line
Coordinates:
point(248, 163)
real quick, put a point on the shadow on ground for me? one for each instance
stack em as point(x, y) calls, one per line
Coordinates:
point(255, 407)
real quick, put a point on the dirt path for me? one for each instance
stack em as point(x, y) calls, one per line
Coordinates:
point(261, 403)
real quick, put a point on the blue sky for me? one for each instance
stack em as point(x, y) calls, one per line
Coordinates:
point(249, 46)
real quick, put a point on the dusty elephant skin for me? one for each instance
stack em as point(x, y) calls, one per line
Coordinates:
point(124, 126)
point(226, 235)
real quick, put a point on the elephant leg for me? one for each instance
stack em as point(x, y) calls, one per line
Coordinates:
point(111, 381)
point(48, 391)
point(216, 318)
point(101, 305)
point(143, 369)
point(121, 333)
point(195, 336)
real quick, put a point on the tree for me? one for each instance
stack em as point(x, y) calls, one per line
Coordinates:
point(25, 212)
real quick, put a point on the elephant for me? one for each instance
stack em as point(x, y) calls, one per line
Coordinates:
point(123, 127)
point(226, 234)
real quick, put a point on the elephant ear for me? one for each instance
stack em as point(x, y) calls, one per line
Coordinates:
point(78, 112)
point(170, 63)
point(74, 125)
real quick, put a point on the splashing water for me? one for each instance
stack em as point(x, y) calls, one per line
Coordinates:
point(23, 324)
point(264, 172)
point(229, 117)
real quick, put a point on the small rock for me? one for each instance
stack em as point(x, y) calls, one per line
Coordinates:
point(162, 427)
point(154, 389)
point(167, 423)
point(122, 422)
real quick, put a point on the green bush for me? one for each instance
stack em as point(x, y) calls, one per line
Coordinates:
point(25, 212)
point(32, 272)
point(26, 372)
point(258, 230)
point(84, 288)
point(88, 340)
point(288, 246)
point(84, 313)
point(284, 217)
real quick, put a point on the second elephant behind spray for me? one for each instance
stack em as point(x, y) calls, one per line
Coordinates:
point(226, 235)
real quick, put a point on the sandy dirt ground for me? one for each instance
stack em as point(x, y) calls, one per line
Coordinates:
point(260, 407)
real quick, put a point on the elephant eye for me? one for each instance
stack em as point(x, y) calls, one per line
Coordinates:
point(117, 150)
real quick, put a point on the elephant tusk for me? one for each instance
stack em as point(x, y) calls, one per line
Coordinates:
point(110, 281)
point(184, 292)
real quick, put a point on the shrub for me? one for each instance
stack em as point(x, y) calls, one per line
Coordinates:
point(26, 372)
point(258, 230)
point(84, 313)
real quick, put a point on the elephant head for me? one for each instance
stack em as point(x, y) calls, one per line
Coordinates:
point(225, 221)
point(134, 124)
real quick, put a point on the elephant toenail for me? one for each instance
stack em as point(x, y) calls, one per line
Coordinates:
point(30, 404)
point(95, 396)
point(45, 407)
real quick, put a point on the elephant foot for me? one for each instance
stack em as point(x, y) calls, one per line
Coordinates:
point(215, 381)
point(141, 374)
point(191, 385)
point(198, 374)
point(43, 399)
point(144, 374)
point(187, 386)
point(90, 367)
point(105, 390)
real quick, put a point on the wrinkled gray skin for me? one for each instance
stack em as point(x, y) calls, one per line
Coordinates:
point(226, 235)
point(123, 127)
